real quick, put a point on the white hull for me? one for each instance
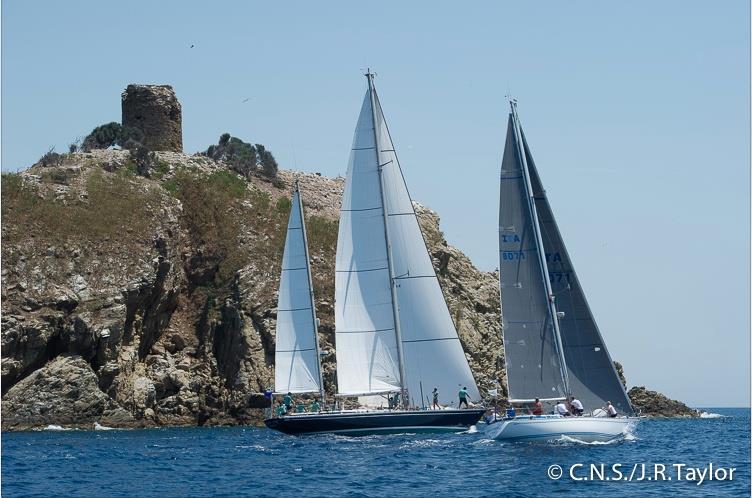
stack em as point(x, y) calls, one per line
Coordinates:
point(553, 427)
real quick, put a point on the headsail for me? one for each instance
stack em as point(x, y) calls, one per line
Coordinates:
point(532, 361)
point(431, 348)
point(592, 377)
point(297, 365)
point(368, 356)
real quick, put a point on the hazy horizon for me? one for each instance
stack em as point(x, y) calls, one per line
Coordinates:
point(637, 116)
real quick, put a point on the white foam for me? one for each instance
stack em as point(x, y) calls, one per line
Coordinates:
point(56, 428)
point(99, 427)
point(711, 415)
point(568, 439)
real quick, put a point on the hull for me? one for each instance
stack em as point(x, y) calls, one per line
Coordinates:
point(552, 427)
point(361, 423)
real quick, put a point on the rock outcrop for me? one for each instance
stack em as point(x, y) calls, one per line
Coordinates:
point(655, 404)
point(134, 301)
point(64, 391)
point(153, 300)
point(156, 112)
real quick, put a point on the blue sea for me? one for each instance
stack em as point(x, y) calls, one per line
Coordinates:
point(247, 461)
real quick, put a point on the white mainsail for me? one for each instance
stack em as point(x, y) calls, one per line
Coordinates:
point(368, 354)
point(297, 365)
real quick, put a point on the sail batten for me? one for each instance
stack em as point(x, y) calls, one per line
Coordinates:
point(297, 364)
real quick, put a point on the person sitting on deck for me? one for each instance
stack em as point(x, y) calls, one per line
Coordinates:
point(562, 410)
point(436, 405)
point(315, 407)
point(577, 407)
point(281, 409)
point(610, 410)
point(537, 407)
point(463, 397)
point(300, 408)
point(288, 401)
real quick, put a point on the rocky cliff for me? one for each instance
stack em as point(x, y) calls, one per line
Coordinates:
point(134, 301)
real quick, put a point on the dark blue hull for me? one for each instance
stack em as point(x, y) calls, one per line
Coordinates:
point(377, 422)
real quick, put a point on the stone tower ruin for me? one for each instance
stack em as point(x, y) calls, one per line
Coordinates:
point(155, 110)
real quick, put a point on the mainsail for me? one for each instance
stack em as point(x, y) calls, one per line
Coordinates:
point(533, 363)
point(386, 288)
point(592, 376)
point(297, 366)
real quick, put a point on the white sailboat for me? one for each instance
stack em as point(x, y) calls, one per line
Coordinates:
point(394, 334)
point(553, 347)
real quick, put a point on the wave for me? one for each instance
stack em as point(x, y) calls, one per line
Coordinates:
point(52, 427)
point(711, 415)
point(99, 427)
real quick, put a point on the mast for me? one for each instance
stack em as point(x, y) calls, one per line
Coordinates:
point(392, 282)
point(296, 188)
point(551, 300)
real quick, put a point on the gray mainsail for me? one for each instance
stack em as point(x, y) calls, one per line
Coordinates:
point(533, 363)
point(592, 377)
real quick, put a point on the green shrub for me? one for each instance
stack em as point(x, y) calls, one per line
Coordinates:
point(243, 157)
point(102, 136)
point(51, 158)
point(268, 163)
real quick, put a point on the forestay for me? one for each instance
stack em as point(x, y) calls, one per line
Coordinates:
point(592, 377)
point(296, 356)
point(532, 362)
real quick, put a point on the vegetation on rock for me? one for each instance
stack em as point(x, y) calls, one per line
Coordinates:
point(245, 158)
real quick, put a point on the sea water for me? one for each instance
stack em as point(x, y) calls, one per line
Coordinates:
point(258, 462)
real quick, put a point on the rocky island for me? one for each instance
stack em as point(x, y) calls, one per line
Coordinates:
point(139, 283)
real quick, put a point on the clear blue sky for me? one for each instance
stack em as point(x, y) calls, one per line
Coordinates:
point(637, 114)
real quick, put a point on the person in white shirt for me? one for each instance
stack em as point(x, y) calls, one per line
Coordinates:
point(577, 407)
point(562, 410)
point(610, 409)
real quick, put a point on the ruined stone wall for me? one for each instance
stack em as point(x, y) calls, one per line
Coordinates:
point(155, 110)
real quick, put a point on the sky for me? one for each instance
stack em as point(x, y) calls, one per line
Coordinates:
point(637, 115)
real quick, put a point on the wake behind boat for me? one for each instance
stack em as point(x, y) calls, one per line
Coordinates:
point(394, 334)
point(552, 344)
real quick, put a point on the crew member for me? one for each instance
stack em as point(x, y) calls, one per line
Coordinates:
point(315, 407)
point(288, 401)
point(537, 407)
point(436, 399)
point(610, 409)
point(577, 407)
point(463, 397)
point(281, 409)
point(562, 410)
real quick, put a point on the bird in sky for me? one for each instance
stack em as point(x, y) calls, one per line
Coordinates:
point(192, 45)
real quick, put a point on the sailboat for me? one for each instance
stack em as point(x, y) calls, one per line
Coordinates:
point(394, 334)
point(553, 347)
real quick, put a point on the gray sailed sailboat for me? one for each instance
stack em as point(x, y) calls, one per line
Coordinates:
point(394, 334)
point(552, 344)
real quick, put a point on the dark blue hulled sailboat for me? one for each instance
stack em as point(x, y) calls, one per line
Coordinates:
point(394, 333)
